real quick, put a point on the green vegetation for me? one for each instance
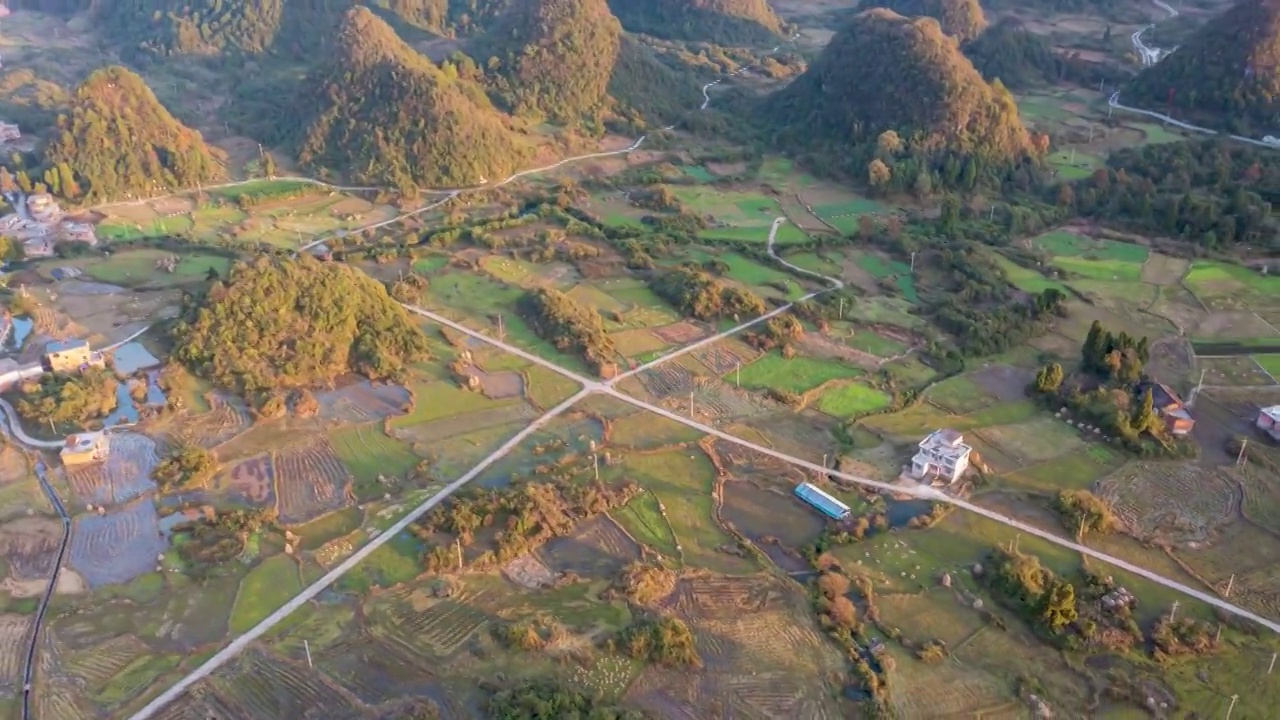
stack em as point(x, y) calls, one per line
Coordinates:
point(559, 58)
point(643, 519)
point(852, 399)
point(1018, 57)
point(69, 399)
point(117, 140)
point(725, 22)
point(368, 453)
point(851, 95)
point(698, 294)
point(1062, 243)
point(306, 323)
point(266, 588)
point(961, 19)
point(539, 700)
point(1270, 363)
point(568, 325)
point(389, 115)
point(185, 467)
point(665, 641)
point(797, 375)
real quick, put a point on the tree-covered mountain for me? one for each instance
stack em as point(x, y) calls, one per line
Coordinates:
point(883, 72)
point(726, 22)
point(119, 141)
point(385, 114)
point(961, 19)
point(1228, 71)
point(556, 57)
point(280, 324)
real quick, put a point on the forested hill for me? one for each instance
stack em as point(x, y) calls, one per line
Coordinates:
point(1228, 71)
point(557, 57)
point(119, 141)
point(884, 72)
point(727, 22)
point(281, 324)
point(386, 115)
point(961, 19)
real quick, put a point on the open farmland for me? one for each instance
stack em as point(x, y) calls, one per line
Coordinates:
point(117, 546)
point(363, 401)
point(310, 480)
point(368, 453)
point(798, 374)
point(124, 475)
point(250, 481)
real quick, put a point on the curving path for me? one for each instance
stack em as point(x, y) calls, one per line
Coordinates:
point(1150, 56)
point(29, 665)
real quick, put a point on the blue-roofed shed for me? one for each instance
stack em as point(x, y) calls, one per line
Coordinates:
point(823, 501)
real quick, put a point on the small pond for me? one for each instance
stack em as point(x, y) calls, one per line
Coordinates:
point(126, 412)
point(132, 357)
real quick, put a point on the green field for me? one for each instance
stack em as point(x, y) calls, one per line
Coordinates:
point(329, 527)
point(851, 399)
point(798, 375)
point(266, 188)
point(1270, 363)
point(698, 173)
point(367, 452)
point(1209, 279)
point(879, 268)
point(959, 394)
point(267, 587)
point(138, 267)
point(1025, 279)
point(1110, 270)
point(441, 399)
point(869, 341)
point(1062, 243)
point(1074, 166)
point(430, 264)
point(814, 262)
point(642, 518)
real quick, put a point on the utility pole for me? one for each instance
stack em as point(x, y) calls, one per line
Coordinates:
point(738, 373)
point(1244, 443)
point(1230, 581)
point(595, 463)
point(913, 262)
point(1174, 611)
point(1016, 538)
point(1272, 666)
point(1218, 636)
point(458, 545)
point(501, 333)
point(52, 429)
point(1232, 706)
point(1073, 156)
point(690, 404)
point(992, 215)
point(841, 310)
point(307, 646)
point(1080, 532)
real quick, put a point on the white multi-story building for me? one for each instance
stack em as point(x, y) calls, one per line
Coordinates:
point(942, 457)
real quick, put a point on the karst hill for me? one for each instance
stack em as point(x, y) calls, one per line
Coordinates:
point(384, 114)
point(117, 140)
point(961, 19)
point(886, 72)
point(1227, 73)
point(727, 22)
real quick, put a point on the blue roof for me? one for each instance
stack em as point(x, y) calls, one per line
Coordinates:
point(815, 496)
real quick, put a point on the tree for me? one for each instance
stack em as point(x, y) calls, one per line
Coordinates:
point(1058, 606)
point(923, 184)
point(1049, 378)
point(1094, 348)
point(878, 174)
point(1145, 419)
point(889, 144)
point(268, 165)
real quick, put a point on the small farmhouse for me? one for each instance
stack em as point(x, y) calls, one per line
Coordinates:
point(1177, 418)
point(84, 448)
point(822, 500)
point(942, 457)
point(1269, 421)
point(70, 356)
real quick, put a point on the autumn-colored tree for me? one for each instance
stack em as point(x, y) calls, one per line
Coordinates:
point(878, 174)
point(889, 144)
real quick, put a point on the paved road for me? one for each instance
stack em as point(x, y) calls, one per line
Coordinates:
point(15, 427)
point(240, 643)
point(29, 666)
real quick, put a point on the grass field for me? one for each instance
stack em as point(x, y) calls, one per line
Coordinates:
point(869, 341)
point(850, 399)
point(1224, 285)
point(1074, 166)
point(643, 519)
point(1270, 363)
point(798, 375)
point(329, 527)
point(682, 481)
point(1062, 243)
point(263, 590)
point(959, 394)
point(138, 267)
point(1111, 270)
point(698, 173)
point(367, 452)
point(1025, 279)
point(879, 268)
point(435, 400)
point(814, 262)
point(546, 388)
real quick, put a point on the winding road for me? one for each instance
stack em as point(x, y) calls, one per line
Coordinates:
point(1150, 56)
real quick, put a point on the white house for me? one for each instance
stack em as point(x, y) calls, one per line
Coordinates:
point(1269, 421)
point(942, 457)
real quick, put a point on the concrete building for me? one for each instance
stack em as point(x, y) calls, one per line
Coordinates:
point(43, 208)
point(85, 448)
point(1269, 421)
point(79, 232)
point(1177, 418)
point(942, 457)
point(823, 501)
point(9, 132)
point(70, 356)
